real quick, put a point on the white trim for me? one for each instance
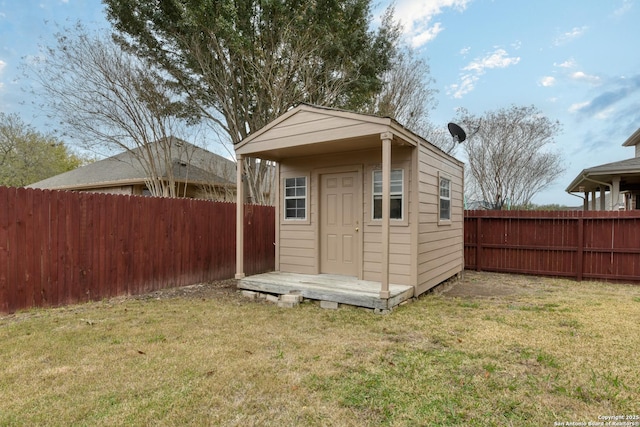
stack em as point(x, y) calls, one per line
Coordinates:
point(441, 177)
point(391, 194)
point(295, 197)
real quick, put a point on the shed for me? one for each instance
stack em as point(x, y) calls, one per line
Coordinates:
point(368, 213)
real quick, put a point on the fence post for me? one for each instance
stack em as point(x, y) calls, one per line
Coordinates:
point(580, 252)
point(478, 243)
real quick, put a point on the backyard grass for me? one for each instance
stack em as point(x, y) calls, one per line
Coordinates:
point(555, 351)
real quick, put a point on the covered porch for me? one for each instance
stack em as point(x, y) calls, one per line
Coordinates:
point(328, 287)
point(616, 185)
point(609, 187)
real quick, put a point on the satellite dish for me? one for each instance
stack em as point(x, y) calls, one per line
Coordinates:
point(457, 132)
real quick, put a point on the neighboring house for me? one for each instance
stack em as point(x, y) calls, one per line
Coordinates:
point(611, 186)
point(198, 173)
point(334, 215)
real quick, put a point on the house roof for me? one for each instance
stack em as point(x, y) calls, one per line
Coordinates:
point(309, 130)
point(591, 179)
point(188, 163)
point(633, 139)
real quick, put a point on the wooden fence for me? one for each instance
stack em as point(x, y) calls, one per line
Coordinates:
point(63, 247)
point(589, 245)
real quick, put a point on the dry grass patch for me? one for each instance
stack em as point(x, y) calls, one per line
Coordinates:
point(558, 351)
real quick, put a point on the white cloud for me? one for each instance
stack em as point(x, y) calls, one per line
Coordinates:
point(547, 81)
point(426, 36)
point(583, 77)
point(465, 50)
point(570, 35)
point(569, 63)
point(574, 108)
point(496, 59)
point(605, 114)
point(466, 85)
point(417, 16)
point(623, 9)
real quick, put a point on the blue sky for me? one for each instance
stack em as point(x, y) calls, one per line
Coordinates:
point(576, 60)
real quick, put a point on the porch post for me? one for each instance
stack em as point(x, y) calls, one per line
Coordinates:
point(603, 205)
point(615, 192)
point(239, 217)
point(386, 207)
point(593, 200)
point(585, 204)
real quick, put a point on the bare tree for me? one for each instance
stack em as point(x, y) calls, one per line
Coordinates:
point(407, 96)
point(440, 137)
point(109, 100)
point(509, 158)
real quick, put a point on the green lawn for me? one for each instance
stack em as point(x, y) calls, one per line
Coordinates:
point(560, 351)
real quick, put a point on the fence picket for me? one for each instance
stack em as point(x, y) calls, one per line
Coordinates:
point(4, 251)
point(63, 247)
point(592, 245)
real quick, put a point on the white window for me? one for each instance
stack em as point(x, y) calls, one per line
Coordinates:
point(397, 184)
point(445, 199)
point(295, 198)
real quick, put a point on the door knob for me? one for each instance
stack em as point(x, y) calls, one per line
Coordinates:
point(357, 229)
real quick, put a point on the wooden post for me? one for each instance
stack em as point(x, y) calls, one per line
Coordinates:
point(478, 243)
point(580, 252)
point(239, 217)
point(278, 207)
point(386, 206)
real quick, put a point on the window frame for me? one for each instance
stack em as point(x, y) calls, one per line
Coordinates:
point(403, 216)
point(441, 178)
point(305, 197)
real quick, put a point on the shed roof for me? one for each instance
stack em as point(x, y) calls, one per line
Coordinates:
point(188, 163)
point(308, 130)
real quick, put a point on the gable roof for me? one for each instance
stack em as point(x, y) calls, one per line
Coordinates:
point(633, 139)
point(189, 163)
point(308, 130)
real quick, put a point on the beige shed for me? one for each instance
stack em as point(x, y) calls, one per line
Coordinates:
point(367, 213)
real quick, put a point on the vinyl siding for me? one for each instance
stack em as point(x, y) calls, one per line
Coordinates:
point(299, 241)
point(440, 245)
point(306, 127)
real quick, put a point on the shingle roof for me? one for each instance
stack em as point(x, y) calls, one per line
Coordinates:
point(188, 163)
point(628, 170)
point(633, 139)
point(622, 166)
